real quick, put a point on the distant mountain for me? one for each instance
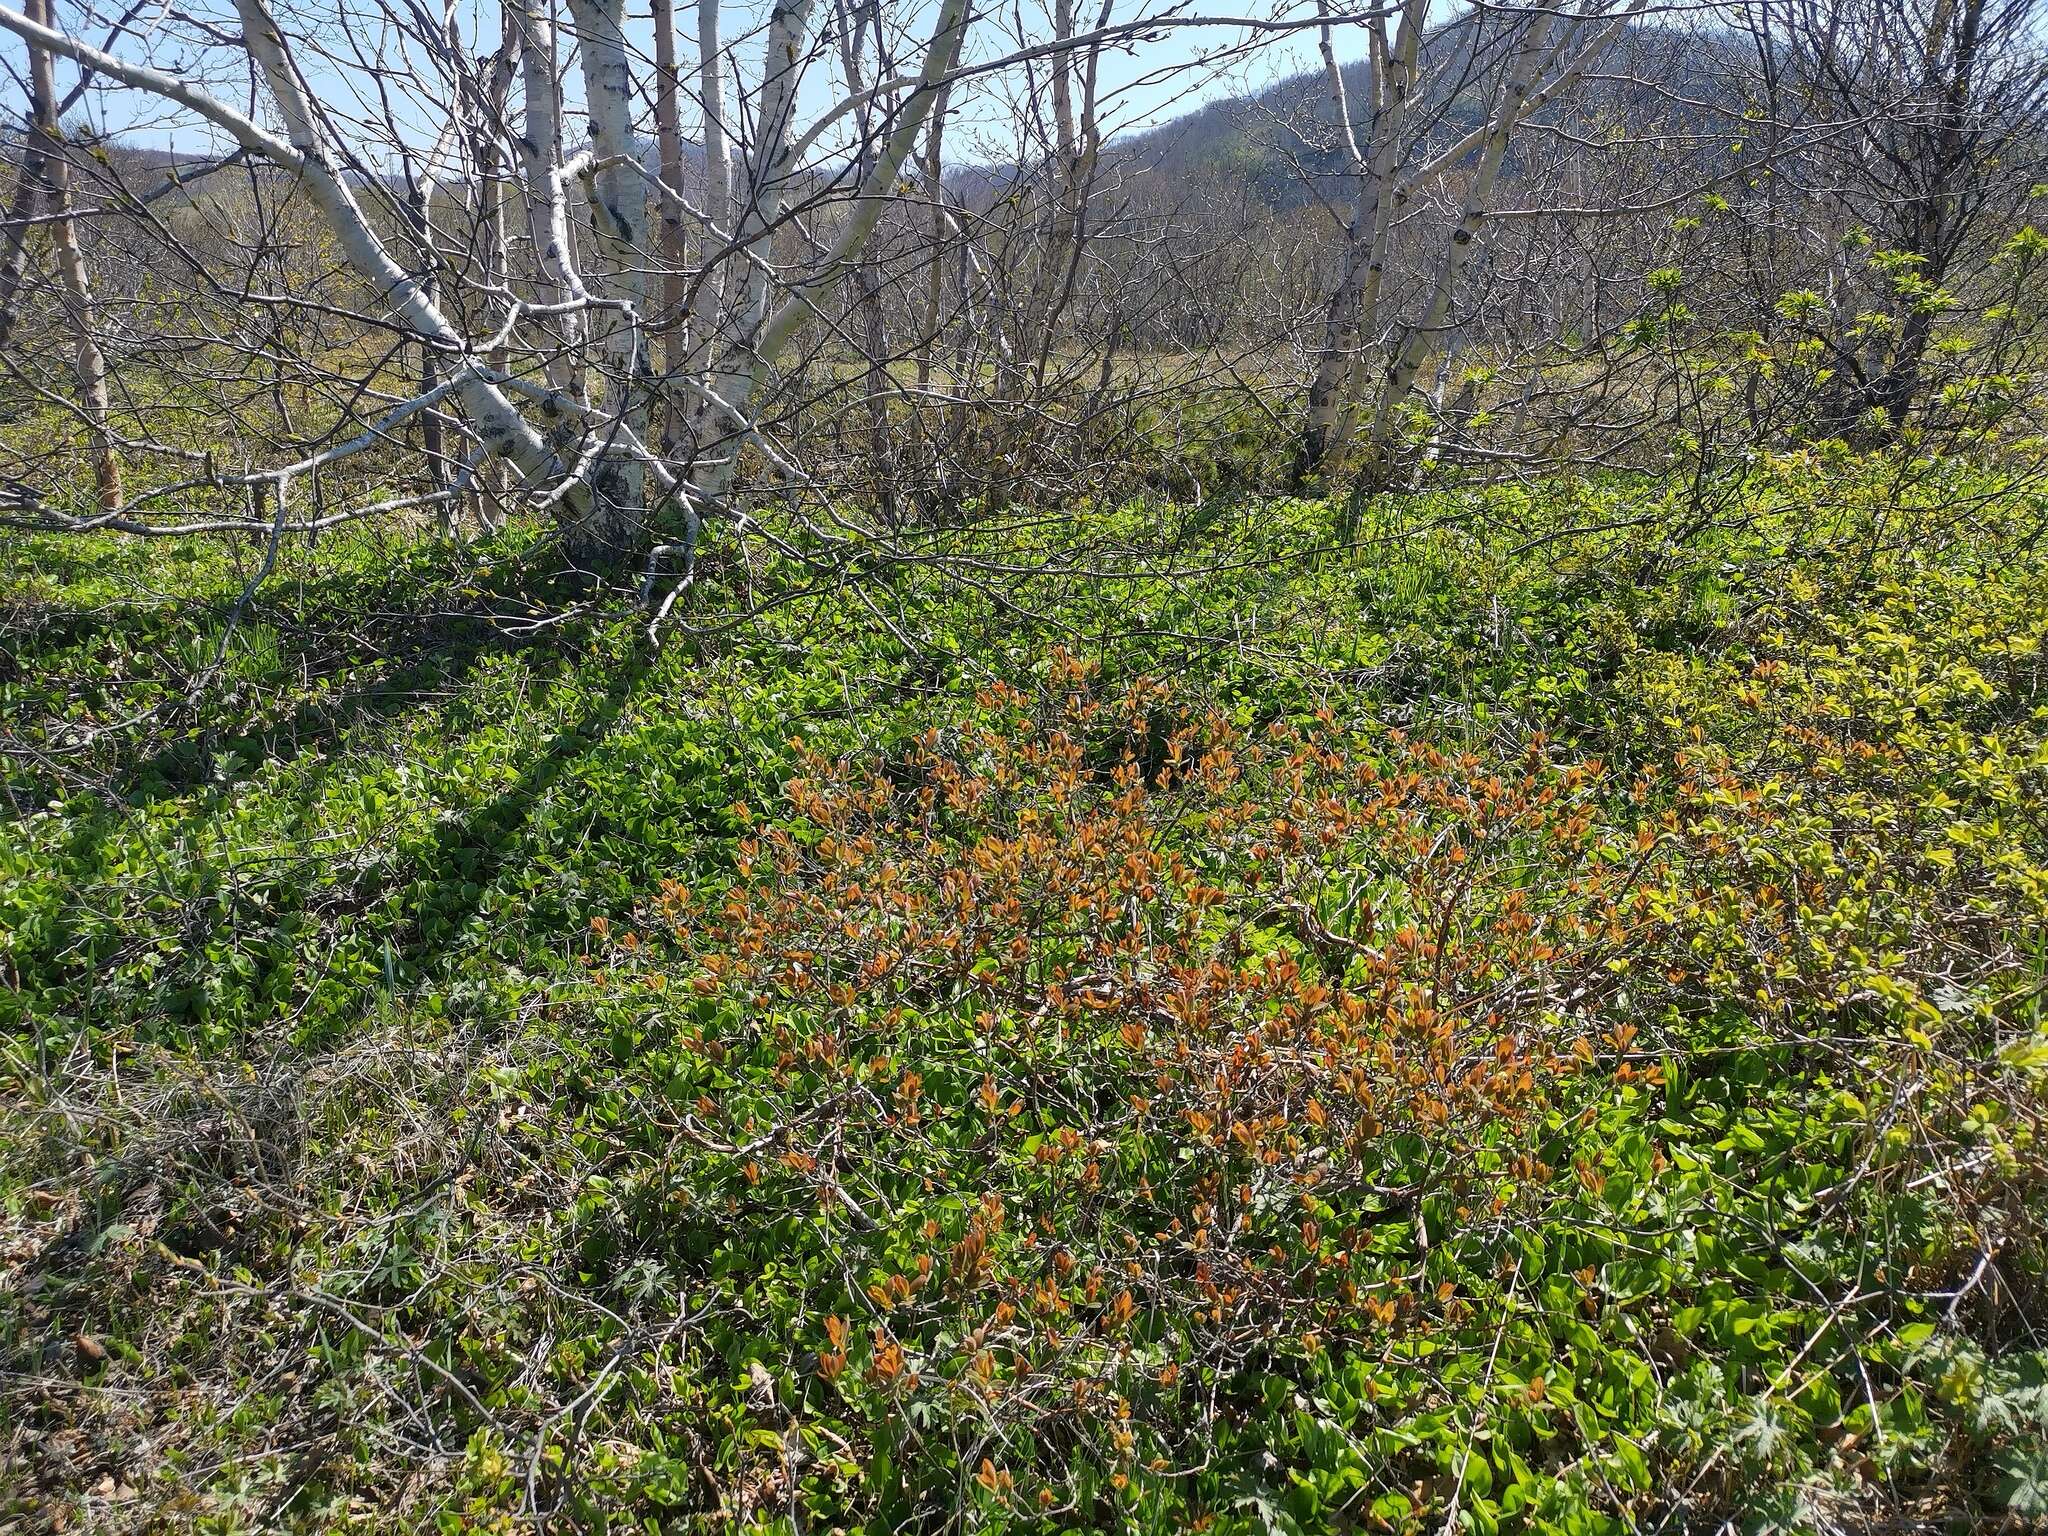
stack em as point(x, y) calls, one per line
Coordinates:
point(1283, 141)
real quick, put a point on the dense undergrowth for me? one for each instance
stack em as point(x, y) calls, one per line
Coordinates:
point(1532, 1020)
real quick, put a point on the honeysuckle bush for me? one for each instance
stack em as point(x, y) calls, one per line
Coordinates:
point(1534, 1024)
point(1136, 1066)
point(1144, 1036)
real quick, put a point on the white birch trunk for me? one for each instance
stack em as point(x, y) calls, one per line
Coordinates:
point(89, 363)
point(668, 131)
point(761, 334)
point(934, 180)
point(1376, 204)
point(547, 219)
point(618, 198)
point(702, 331)
point(500, 427)
point(1422, 340)
point(1338, 393)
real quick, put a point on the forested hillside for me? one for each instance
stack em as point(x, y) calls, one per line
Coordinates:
point(1281, 141)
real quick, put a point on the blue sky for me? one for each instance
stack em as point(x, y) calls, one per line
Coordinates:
point(1142, 83)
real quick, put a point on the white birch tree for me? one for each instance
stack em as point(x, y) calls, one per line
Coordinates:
point(1540, 51)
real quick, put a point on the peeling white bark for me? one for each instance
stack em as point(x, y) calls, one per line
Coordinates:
point(762, 333)
point(555, 280)
point(711, 283)
point(1538, 71)
point(618, 200)
point(89, 363)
